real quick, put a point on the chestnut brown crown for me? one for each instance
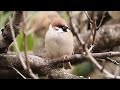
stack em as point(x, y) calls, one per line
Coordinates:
point(58, 21)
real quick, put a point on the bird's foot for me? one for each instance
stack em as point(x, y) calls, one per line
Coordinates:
point(66, 65)
point(65, 57)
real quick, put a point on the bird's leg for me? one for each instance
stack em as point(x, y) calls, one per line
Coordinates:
point(66, 65)
point(48, 58)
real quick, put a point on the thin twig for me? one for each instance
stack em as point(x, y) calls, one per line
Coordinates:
point(19, 73)
point(25, 53)
point(98, 65)
point(113, 61)
point(103, 65)
point(88, 17)
point(117, 71)
point(80, 40)
point(26, 19)
point(94, 27)
point(92, 30)
point(26, 16)
point(26, 58)
point(103, 16)
point(24, 43)
point(16, 45)
point(91, 24)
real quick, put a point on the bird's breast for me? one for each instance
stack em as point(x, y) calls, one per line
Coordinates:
point(59, 44)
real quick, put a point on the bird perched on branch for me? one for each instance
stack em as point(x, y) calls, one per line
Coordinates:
point(59, 41)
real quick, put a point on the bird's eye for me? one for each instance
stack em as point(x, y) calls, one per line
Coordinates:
point(62, 27)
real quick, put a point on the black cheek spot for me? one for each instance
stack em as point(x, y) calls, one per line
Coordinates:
point(64, 28)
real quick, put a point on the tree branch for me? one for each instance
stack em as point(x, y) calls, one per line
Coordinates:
point(6, 38)
point(38, 65)
point(59, 74)
point(107, 74)
point(48, 67)
point(107, 37)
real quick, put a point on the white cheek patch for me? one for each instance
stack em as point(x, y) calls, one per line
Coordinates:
point(56, 28)
point(60, 30)
point(68, 30)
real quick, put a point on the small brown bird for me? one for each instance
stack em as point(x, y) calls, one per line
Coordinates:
point(59, 40)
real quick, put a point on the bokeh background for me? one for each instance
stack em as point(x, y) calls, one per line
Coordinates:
point(37, 23)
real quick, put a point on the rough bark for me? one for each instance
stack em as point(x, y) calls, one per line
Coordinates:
point(49, 67)
point(6, 37)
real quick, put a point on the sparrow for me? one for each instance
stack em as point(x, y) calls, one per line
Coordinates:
point(59, 41)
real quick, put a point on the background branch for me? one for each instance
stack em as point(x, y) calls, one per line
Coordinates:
point(6, 38)
point(25, 51)
point(107, 37)
point(47, 67)
point(107, 74)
